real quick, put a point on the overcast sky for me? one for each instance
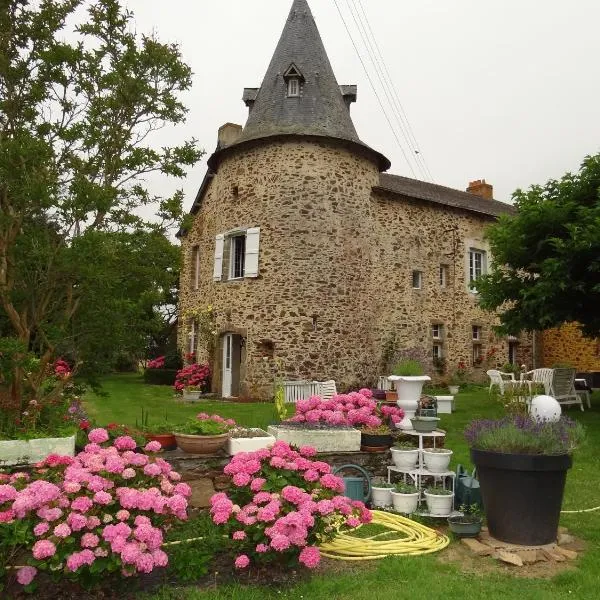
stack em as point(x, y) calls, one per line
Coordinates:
point(506, 90)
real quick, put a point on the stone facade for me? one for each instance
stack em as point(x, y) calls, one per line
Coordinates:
point(566, 345)
point(335, 268)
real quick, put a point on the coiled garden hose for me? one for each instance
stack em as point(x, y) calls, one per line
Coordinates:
point(417, 539)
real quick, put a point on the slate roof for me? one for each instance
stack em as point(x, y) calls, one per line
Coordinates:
point(431, 192)
point(320, 110)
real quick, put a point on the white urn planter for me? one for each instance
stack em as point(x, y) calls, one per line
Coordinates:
point(409, 390)
point(437, 459)
point(453, 389)
point(191, 395)
point(381, 497)
point(405, 503)
point(27, 452)
point(249, 444)
point(439, 505)
point(405, 458)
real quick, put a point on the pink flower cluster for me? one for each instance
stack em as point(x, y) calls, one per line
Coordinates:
point(356, 409)
point(157, 363)
point(62, 369)
point(283, 503)
point(193, 375)
point(216, 419)
point(112, 502)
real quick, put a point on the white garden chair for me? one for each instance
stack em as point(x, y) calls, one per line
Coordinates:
point(328, 389)
point(562, 387)
point(541, 376)
point(498, 378)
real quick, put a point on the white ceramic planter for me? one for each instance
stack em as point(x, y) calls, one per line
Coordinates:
point(27, 452)
point(453, 390)
point(381, 497)
point(437, 462)
point(191, 396)
point(236, 445)
point(445, 404)
point(439, 506)
point(405, 459)
point(409, 391)
point(405, 503)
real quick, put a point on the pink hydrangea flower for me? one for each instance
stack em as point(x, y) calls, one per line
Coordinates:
point(62, 530)
point(239, 535)
point(43, 549)
point(242, 561)
point(122, 515)
point(128, 473)
point(262, 548)
point(25, 575)
point(41, 529)
point(152, 470)
point(153, 447)
point(98, 436)
point(89, 540)
point(310, 556)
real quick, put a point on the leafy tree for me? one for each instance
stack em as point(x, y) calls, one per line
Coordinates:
point(548, 256)
point(77, 118)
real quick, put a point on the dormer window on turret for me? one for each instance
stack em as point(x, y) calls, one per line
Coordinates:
point(294, 80)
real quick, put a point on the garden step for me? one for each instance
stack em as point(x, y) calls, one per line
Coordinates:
point(509, 557)
point(477, 547)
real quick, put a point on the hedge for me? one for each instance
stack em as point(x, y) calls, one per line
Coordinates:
point(160, 376)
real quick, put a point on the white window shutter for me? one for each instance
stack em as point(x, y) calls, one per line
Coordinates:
point(252, 247)
point(218, 270)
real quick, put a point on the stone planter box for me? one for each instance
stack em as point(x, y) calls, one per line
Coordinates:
point(324, 440)
point(445, 404)
point(27, 452)
point(190, 396)
point(235, 445)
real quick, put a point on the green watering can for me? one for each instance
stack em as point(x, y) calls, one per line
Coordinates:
point(354, 486)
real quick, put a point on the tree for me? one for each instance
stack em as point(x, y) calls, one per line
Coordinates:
point(548, 256)
point(77, 118)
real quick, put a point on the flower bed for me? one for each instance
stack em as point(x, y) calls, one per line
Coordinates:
point(103, 511)
point(282, 505)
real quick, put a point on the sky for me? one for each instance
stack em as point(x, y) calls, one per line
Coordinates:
point(503, 90)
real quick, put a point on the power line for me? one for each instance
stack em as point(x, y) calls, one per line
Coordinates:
point(375, 90)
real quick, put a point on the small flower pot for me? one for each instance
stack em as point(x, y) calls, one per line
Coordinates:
point(404, 458)
point(463, 527)
point(437, 460)
point(391, 396)
point(425, 424)
point(439, 505)
point(405, 503)
point(381, 497)
point(166, 440)
point(201, 444)
point(375, 443)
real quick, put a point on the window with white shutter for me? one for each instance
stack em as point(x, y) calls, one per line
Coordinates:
point(252, 249)
point(218, 268)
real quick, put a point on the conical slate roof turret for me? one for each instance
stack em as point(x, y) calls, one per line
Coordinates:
point(316, 107)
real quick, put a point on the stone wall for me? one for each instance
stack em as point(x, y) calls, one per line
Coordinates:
point(566, 345)
point(335, 269)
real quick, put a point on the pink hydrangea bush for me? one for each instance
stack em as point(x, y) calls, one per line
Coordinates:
point(156, 363)
point(282, 505)
point(104, 510)
point(356, 409)
point(192, 376)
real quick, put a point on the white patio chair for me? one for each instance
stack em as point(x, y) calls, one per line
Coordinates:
point(562, 387)
point(297, 390)
point(542, 376)
point(498, 378)
point(327, 389)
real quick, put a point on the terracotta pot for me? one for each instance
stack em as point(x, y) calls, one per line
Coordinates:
point(201, 444)
point(391, 396)
point(166, 440)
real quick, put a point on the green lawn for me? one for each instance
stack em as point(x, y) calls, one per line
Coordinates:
point(427, 577)
point(123, 396)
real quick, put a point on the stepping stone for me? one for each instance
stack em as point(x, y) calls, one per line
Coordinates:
point(477, 547)
point(570, 554)
point(528, 556)
point(510, 558)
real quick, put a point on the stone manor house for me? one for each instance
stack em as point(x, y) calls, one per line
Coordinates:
point(307, 260)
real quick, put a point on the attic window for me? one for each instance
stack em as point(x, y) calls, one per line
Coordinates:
point(293, 87)
point(293, 79)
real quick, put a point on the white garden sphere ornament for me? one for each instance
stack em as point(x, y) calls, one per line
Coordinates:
point(545, 408)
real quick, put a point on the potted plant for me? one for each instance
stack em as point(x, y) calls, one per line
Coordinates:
point(206, 434)
point(192, 380)
point(467, 524)
point(437, 459)
point(405, 498)
point(191, 393)
point(375, 439)
point(522, 467)
point(409, 380)
point(439, 501)
point(248, 440)
point(458, 377)
point(161, 433)
point(405, 455)
point(424, 424)
point(381, 492)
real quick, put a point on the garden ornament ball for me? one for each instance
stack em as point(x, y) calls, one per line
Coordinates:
point(545, 408)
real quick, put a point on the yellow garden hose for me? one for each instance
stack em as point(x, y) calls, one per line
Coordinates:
point(416, 539)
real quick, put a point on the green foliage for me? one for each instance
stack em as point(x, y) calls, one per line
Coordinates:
point(405, 445)
point(409, 368)
point(405, 488)
point(548, 256)
point(439, 491)
point(202, 427)
point(160, 376)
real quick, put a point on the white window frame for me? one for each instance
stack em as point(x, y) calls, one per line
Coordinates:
point(437, 331)
point(231, 241)
point(475, 270)
point(293, 87)
point(224, 241)
point(437, 352)
point(476, 333)
point(419, 275)
point(443, 276)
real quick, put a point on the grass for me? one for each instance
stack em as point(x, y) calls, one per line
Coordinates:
point(124, 395)
point(420, 578)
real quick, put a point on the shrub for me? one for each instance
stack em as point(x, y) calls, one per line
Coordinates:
point(282, 505)
point(156, 363)
point(206, 425)
point(160, 376)
point(193, 376)
point(354, 409)
point(409, 368)
point(105, 510)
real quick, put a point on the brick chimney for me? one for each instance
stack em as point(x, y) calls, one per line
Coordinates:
point(481, 188)
point(228, 134)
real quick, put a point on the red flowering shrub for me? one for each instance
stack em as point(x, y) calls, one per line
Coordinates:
point(193, 376)
point(282, 505)
point(157, 363)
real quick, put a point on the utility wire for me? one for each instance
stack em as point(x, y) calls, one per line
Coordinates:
point(375, 90)
point(390, 83)
point(386, 87)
